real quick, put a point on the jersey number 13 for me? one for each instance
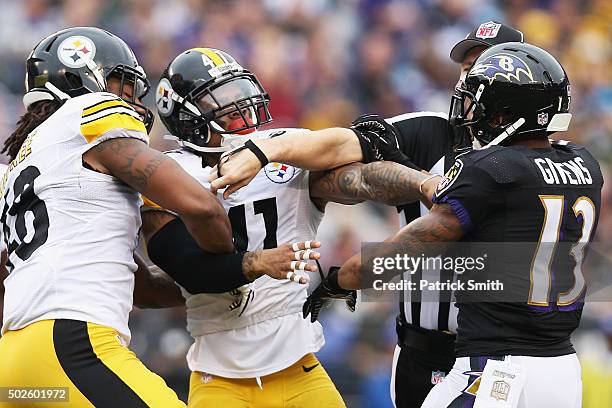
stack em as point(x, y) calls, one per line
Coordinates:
point(541, 274)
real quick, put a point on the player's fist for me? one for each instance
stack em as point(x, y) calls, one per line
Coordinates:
point(325, 293)
point(287, 261)
point(379, 140)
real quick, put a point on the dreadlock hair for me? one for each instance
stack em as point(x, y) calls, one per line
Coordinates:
point(37, 113)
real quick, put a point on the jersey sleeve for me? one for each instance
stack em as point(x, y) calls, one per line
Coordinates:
point(2, 243)
point(470, 191)
point(109, 117)
point(149, 205)
point(425, 137)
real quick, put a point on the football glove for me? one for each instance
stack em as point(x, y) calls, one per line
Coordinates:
point(327, 290)
point(379, 140)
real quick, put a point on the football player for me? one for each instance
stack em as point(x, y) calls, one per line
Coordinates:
point(71, 215)
point(252, 346)
point(3, 257)
point(519, 188)
point(426, 329)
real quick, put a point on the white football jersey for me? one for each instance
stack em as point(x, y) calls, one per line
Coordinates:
point(3, 168)
point(70, 231)
point(259, 329)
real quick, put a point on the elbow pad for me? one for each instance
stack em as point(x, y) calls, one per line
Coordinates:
point(174, 250)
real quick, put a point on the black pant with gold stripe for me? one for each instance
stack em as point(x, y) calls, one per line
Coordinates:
point(86, 358)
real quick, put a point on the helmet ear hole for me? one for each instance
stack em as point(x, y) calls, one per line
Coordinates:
point(208, 133)
point(201, 135)
point(73, 80)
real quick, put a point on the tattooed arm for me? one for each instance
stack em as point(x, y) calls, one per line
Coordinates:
point(385, 182)
point(428, 235)
point(163, 181)
point(172, 248)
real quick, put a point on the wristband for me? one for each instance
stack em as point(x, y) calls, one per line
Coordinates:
point(257, 152)
point(425, 181)
point(332, 279)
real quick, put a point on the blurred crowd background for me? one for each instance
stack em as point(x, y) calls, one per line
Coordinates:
point(324, 62)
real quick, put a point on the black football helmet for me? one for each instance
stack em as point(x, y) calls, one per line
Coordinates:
point(203, 85)
point(78, 60)
point(513, 91)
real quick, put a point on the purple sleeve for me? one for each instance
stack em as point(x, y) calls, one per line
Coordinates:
point(459, 210)
point(470, 191)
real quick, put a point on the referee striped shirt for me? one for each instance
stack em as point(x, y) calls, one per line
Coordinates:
point(429, 140)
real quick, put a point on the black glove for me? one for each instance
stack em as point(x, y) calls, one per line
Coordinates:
point(378, 140)
point(325, 292)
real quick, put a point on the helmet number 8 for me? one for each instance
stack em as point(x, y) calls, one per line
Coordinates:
point(506, 64)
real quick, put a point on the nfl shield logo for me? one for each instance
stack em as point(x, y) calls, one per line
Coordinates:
point(488, 30)
point(437, 377)
point(542, 118)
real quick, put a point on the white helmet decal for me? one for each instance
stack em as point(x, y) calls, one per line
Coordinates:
point(76, 51)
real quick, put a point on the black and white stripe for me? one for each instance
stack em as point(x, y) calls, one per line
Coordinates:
point(111, 110)
point(428, 139)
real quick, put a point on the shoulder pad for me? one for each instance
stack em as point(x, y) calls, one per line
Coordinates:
point(479, 154)
point(572, 147)
point(566, 144)
point(414, 115)
point(95, 97)
point(585, 154)
point(270, 133)
point(504, 165)
point(103, 111)
point(187, 159)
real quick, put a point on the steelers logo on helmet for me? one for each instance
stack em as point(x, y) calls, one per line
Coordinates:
point(163, 98)
point(76, 51)
point(279, 173)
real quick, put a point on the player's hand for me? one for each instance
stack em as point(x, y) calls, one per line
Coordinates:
point(380, 139)
point(235, 170)
point(324, 294)
point(287, 261)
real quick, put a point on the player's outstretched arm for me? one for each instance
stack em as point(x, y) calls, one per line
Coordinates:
point(369, 139)
point(163, 181)
point(314, 150)
point(153, 289)
point(310, 150)
point(428, 235)
point(171, 247)
point(384, 182)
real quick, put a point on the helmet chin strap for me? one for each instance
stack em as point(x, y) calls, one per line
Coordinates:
point(227, 143)
point(197, 148)
point(509, 131)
